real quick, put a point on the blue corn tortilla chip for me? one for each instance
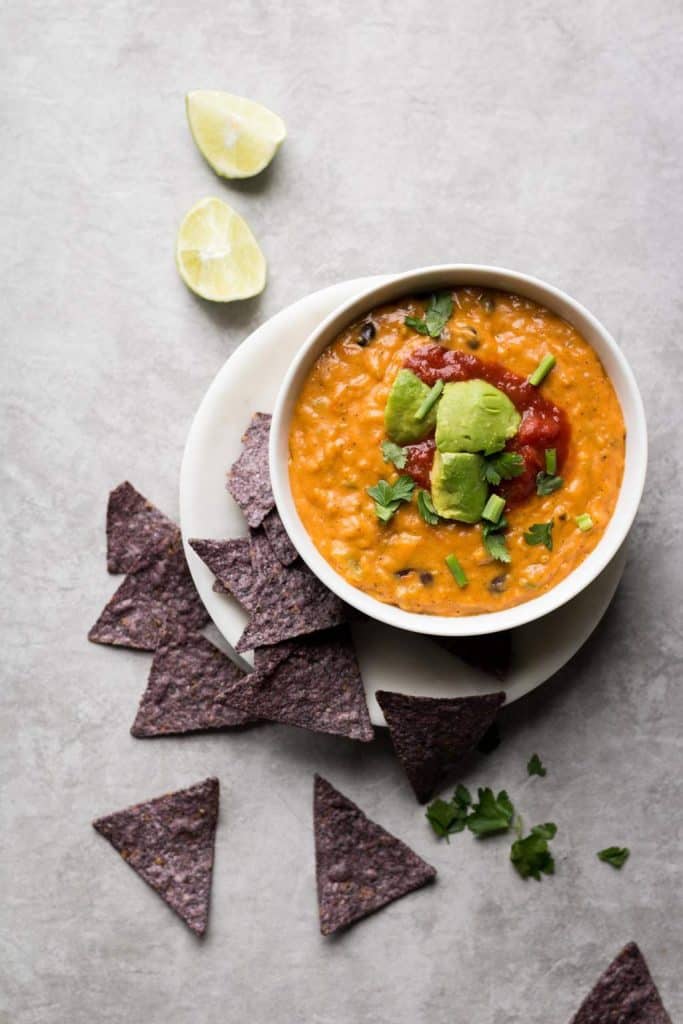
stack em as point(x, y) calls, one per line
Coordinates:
point(239, 565)
point(624, 994)
point(187, 689)
point(249, 477)
point(169, 842)
point(263, 558)
point(290, 603)
point(360, 867)
point(313, 683)
point(431, 734)
point(230, 562)
point(266, 659)
point(491, 653)
point(136, 531)
point(284, 550)
point(148, 601)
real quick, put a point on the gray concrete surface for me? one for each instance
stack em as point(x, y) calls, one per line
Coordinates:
point(542, 136)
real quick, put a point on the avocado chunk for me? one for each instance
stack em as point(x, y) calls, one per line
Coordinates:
point(407, 394)
point(473, 416)
point(459, 488)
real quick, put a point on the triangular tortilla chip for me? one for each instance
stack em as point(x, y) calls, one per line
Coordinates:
point(230, 562)
point(360, 867)
point(169, 841)
point(316, 685)
point(291, 602)
point(624, 994)
point(431, 734)
point(148, 601)
point(136, 531)
point(187, 689)
point(249, 477)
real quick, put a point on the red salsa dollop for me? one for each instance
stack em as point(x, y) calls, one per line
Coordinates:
point(544, 424)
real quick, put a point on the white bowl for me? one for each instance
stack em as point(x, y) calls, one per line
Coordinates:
point(431, 279)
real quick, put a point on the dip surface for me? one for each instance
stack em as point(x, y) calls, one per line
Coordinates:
point(338, 428)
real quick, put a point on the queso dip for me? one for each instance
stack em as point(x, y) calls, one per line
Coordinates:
point(457, 453)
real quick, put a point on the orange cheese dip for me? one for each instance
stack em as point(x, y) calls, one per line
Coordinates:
point(335, 454)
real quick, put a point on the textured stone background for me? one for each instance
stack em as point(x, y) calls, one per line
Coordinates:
point(542, 136)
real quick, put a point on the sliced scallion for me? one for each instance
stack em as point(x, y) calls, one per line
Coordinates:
point(430, 401)
point(457, 571)
point(493, 509)
point(584, 522)
point(542, 370)
point(550, 460)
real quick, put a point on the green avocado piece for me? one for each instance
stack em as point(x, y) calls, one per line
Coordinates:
point(473, 416)
point(407, 394)
point(459, 488)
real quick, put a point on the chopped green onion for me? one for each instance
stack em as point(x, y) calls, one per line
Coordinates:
point(457, 570)
point(542, 370)
point(550, 460)
point(430, 401)
point(493, 509)
point(584, 522)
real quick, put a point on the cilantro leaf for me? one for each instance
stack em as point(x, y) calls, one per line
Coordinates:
point(417, 325)
point(535, 766)
point(439, 309)
point(491, 814)
point(495, 544)
point(462, 796)
point(388, 497)
point(615, 855)
point(394, 453)
point(494, 541)
point(425, 507)
point(531, 855)
point(546, 483)
point(540, 533)
point(448, 816)
point(547, 831)
point(503, 466)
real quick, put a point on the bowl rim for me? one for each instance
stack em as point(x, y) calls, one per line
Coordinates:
point(623, 380)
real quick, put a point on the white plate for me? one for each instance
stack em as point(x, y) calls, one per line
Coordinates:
point(389, 658)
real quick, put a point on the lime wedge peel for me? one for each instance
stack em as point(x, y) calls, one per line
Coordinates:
point(217, 255)
point(237, 137)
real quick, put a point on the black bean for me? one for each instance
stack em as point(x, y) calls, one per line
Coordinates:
point(498, 584)
point(473, 343)
point(403, 572)
point(367, 333)
point(426, 578)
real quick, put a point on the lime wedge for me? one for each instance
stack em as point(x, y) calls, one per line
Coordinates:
point(217, 255)
point(236, 136)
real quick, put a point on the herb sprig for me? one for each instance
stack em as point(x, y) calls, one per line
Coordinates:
point(531, 856)
point(449, 816)
point(388, 497)
point(615, 855)
point(425, 506)
point(535, 766)
point(394, 453)
point(491, 814)
point(439, 309)
point(503, 466)
point(546, 483)
point(494, 541)
point(540, 533)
